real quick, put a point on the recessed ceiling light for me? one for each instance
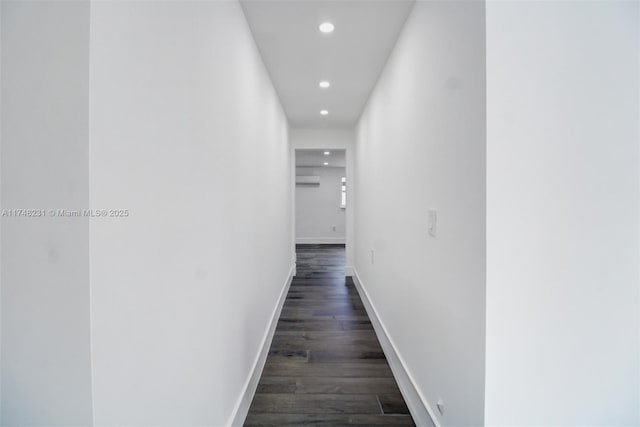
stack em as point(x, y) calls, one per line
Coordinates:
point(324, 112)
point(324, 84)
point(326, 153)
point(326, 163)
point(326, 27)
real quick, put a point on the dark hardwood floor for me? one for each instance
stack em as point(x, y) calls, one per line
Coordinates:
point(325, 366)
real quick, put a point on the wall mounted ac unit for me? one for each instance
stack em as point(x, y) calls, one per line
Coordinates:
point(307, 180)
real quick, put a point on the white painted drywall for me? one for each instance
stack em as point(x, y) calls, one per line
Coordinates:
point(188, 134)
point(562, 213)
point(333, 139)
point(421, 145)
point(46, 373)
point(318, 209)
point(0, 211)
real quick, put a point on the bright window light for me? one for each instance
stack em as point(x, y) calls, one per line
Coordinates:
point(324, 84)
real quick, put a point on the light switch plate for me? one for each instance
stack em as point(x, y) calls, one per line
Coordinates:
point(433, 222)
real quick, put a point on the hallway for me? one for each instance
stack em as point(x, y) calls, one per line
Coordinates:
point(325, 366)
point(163, 260)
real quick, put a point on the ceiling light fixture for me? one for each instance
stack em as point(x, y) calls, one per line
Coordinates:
point(323, 112)
point(326, 27)
point(324, 84)
point(326, 153)
point(326, 163)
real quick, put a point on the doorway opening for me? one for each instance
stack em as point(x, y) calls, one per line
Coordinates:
point(321, 199)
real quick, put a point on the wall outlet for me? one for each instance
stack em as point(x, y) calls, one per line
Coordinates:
point(372, 256)
point(440, 406)
point(432, 224)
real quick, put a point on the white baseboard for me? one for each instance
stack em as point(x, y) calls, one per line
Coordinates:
point(348, 270)
point(242, 406)
point(320, 240)
point(420, 409)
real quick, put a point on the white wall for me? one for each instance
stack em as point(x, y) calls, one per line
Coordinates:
point(187, 133)
point(562, 213)
point(318, 209)
point(421, 145)
point(45, 261)
point(1, 217)
point(343, 139)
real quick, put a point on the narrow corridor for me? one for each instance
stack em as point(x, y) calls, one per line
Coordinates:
point(325, 366)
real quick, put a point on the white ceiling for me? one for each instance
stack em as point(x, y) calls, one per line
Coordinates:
point(298, 56)
point(317, 158)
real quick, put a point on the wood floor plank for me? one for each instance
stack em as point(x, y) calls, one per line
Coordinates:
point(345, 355)
point(329, 335)
point(289, 403)
point(296, 369)
point(298, 343)
point(309, 313)
point(325, 420)
point(348, 325)
point(328, 385)
point(285, 354)
point(309, 325)
point(383, 420)
point(325, 366)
